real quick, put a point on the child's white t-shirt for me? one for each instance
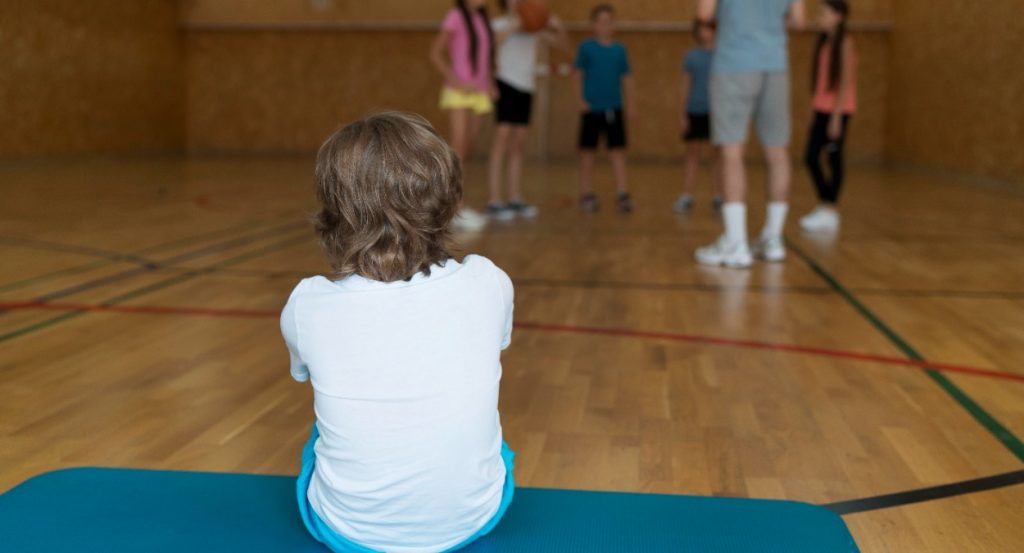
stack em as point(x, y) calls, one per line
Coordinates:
point(405, 382)
point(517, 57)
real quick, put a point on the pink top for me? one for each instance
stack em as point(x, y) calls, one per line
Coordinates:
point(825, 99)
point(458, 45)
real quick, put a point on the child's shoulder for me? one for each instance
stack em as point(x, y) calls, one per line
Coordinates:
point(481, 265)
point(477, 262)
point(452, 20)
point(308, 286)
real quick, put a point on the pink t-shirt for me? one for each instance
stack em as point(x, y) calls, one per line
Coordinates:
point(825, 99)
point(458, 45)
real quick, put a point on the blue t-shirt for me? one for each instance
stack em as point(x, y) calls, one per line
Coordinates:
point(751, 35)
point(603, 68)
point(698, 64)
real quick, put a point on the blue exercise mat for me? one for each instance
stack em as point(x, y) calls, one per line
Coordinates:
point(114, 510)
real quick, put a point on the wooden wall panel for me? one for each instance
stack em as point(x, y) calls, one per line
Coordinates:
point(284, 92)
point(273, 91)
point(958, 87)
point(96, 76)
point(293, 11)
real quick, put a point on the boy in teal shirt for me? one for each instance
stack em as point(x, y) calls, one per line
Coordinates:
point(604, 87)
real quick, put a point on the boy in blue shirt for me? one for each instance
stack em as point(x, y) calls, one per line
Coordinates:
point(604, 87)
point(694, 116)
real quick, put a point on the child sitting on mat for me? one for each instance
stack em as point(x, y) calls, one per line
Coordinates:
point(403, 351)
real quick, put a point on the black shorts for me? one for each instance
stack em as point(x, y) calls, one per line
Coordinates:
point(609, 123)
point(698, 127)
point(514, 105)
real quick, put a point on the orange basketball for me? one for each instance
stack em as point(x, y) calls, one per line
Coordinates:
point(533, 15)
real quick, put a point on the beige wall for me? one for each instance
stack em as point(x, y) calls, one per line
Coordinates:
point(90, 76)
point(957, 80)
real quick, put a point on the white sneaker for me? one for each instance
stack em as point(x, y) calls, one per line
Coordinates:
point(469, 220)
point(723, 252)
point(770, 248)
point(821, 219)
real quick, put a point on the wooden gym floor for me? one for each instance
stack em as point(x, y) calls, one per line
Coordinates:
point(139, 329)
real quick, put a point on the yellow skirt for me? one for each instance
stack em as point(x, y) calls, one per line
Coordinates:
point(477, 102)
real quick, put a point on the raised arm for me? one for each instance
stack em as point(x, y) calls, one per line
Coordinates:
point(706, 9)
point(797, 16)
point(556, 36)
point(503, 34)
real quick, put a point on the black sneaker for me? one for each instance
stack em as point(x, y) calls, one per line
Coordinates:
point(589, 203)
point(500, 212)
point(624, 202)
point(522, 209)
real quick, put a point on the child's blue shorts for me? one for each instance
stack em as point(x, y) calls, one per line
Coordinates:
point(339, 544)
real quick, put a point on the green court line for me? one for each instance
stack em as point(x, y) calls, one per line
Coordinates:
point(166, 283)
point(1001, 433)
point(148, 250)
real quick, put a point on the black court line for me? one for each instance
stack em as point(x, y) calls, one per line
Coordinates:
point(672, 286)
point(188, 240)
point(75, 249)
point(181, 258)
point(176, 279)
point(151, 264)
point(909, 497)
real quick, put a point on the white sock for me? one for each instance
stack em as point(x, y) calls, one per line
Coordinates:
point(734, 215)
point(776, 219)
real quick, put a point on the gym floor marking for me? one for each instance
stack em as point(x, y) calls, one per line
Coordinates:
point(1003, 434)
point(111, 307)
point(277, 246)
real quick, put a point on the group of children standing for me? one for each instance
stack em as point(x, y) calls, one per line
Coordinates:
point(470, 49)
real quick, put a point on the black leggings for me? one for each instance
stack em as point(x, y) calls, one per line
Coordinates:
point(828, 190)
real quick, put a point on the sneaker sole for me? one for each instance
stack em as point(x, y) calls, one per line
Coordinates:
point(726, 264)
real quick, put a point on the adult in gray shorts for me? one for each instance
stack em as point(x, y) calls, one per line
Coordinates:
point(750, 83)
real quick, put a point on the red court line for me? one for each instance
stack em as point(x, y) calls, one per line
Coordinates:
point(549, 327)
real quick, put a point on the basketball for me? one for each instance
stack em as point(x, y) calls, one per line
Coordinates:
point(533, 15)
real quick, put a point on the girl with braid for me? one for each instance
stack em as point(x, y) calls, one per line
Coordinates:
point(463, 53)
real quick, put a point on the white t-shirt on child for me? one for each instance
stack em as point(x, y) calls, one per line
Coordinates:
point(517, 57)
point(405, 382)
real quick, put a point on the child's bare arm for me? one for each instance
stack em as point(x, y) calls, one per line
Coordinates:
point(629, 95)
point(685, 82)
point(797, 16)
point(556, 35)
point(503, 35)
point(847, 76)
point(439, 59)
point(577, 86)
point(706, 9)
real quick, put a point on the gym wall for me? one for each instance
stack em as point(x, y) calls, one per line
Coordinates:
point(957, 80)
point(277, 76)
point(97, 76)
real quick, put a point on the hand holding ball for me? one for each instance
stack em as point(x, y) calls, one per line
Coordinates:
point(533, 15)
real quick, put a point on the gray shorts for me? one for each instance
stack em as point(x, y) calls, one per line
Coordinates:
point(738, 97)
